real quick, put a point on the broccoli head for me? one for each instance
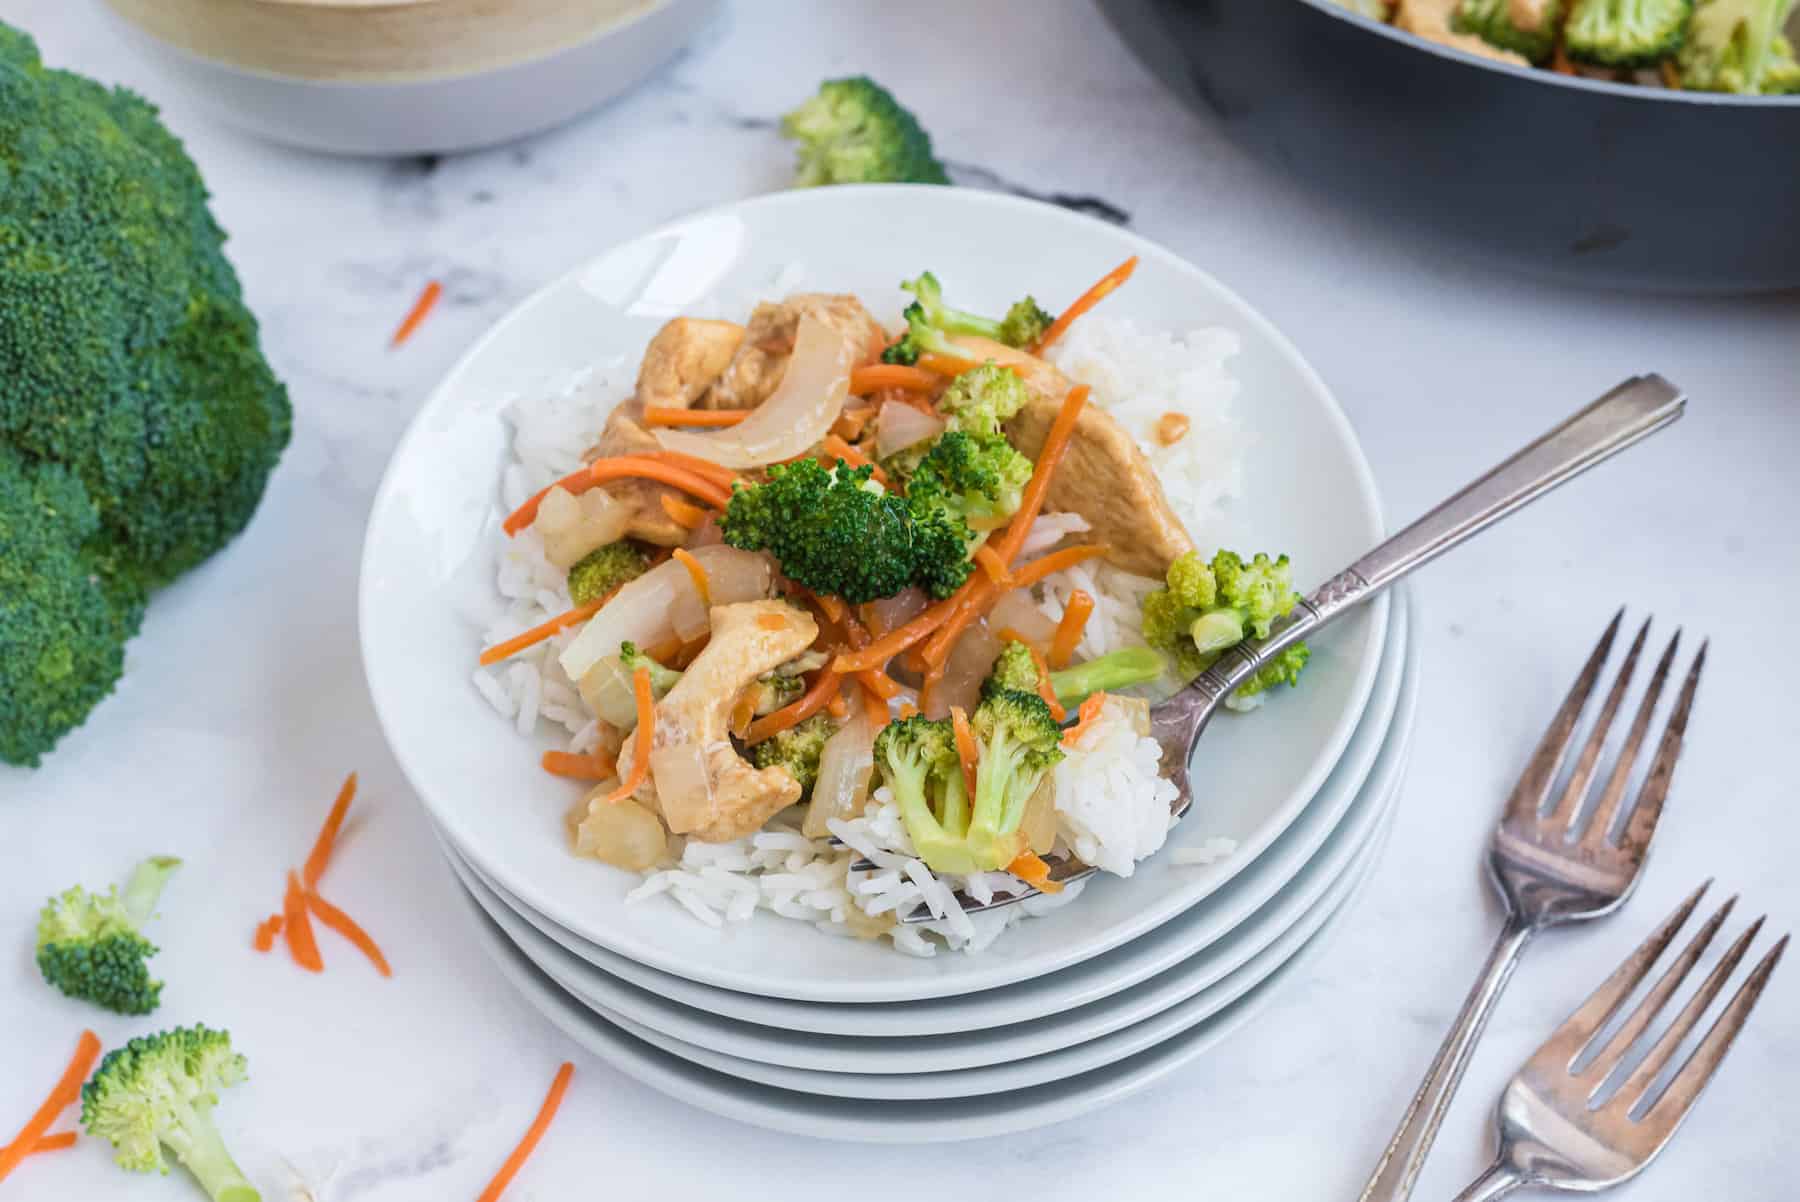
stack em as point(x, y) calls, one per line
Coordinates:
point(839, 533)
point(1528, 31)
point(853, 131)
point(1019, 741)
point(797, 749)
point(918, 761)
point(662, 679)
point(1015, 670)
point(604, 569)
point(128, 361)
point(979, 479)
point(1737, 46)
point(1207, 607)
point(1626, 33)
point(159, 1091)
point(982, 399)
point(930, 323)
point(89, 945)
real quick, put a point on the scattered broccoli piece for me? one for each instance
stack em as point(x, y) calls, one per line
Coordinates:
point(1496, 23)
point(134, 400)
point(853, 131)
point(1015, 670)
point(774, 691)
point(797, 749)
point(89, 945)
point(604, 569)
point(160, 1090)
point(1019, 742)
point(917, 758)
point(976, 479)
point(1206, 608)
point(981, 400)
point(838, 533)
point(1283, 669)
point(1626, 33)
point(662, 679)
point(1737, 46)
point(930, 323)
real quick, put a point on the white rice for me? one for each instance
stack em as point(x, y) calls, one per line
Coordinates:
point(1112, 807)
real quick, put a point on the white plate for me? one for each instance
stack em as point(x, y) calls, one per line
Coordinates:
point(1179, 996)
point(1246, 898)
point(427, 574)
point(938, 1120)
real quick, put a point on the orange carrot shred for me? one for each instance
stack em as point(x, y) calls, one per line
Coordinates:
point(1031, 869)
point(895, 641)
point(697, 572)
point(837, 707)
point(965, 748)
point(1087, 300)
point(853, 420)
point(1086, 716)
point(824, 687)
point(52, 1143)
point(1056, 442)
point(535, 1132)
point(1044, 688)
point(421, 309)
point(346, 926)
point(989, 562)
point(653, 465)
point(867, 379)
point(832, 607)
point(646, 735)
point(878, 683)
point(298, 927)
point(1068, 631)
point(946, 365)
point(64, 1094)
point(657, 415)
point(542, 631)
point(688, 517)
point(908, 709)
point(327, 838)
point(772, 622)
point(1056, 561)
point(836, 446)
point(266, 930)
point(579, 766)
point(875, 709)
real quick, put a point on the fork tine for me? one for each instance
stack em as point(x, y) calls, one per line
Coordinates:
point(1607, 808)
point(1687, 1084)
point(1608, 1056)
point(1529, 794)
point(1632, 1092)
point(1568, 807)
point(1640, 826)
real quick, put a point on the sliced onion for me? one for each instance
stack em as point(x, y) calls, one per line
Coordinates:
point(643, 611)
point(969, 664)
point(683, 785)
point(1017, 611)
point(899, 426)
point(610, 694)
point(845, 766)
point(797, 415)
point(572, 526)
point(896, 611)
point(1039, 823)
point(623, 833)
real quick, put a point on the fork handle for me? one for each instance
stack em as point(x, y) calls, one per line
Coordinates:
point(1498, 1182)
point(1406, 1152)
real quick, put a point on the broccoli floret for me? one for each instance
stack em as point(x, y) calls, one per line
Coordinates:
point(1019, 741)
point(853, 131)
point(982, 399)
point(1737, 46)
point(89, 945)
point(797, 749)
point(1626, 33)
point(127, 360)
point(930, 323)
point(1283, 669)
point(1208, 607)
point(604, 569)
point(917, 758)
point(975, 478)
point(160, 1090)
point(1496, 23)
point(840, 534)
point(661, 679)
point(1015, 670)
point(774, 691)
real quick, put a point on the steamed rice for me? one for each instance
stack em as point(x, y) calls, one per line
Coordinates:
point(1112, 806)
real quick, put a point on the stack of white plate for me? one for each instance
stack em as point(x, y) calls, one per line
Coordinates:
point(770, 1021)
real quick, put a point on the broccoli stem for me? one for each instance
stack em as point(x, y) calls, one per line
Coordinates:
point(197, 1143)
point(1115, 670)
point(146, 886)
point(1217, 629)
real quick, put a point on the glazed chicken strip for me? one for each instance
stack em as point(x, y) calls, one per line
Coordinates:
point(749, 639)
point(684, 360)
point(756, 368)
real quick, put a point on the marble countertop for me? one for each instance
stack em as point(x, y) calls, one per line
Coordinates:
point(228, 736)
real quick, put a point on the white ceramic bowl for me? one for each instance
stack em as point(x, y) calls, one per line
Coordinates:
point(428, 569)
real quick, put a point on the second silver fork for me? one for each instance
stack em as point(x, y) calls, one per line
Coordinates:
point(1554, 861)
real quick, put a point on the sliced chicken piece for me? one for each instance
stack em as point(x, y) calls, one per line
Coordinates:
point(625, 435)
point(756, 368)
point(692, 742)
point(684, 359)
point(1430, 19)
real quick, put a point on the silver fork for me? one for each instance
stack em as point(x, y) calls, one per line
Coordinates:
point(1634, 410)
point(1562, 1127)
point(1553, 862)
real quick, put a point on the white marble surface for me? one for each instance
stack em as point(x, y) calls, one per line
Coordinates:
point(245, 703)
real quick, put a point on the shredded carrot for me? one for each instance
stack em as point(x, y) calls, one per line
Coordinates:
point(1087, 300)
point(946, 365)
point(833, 607)
point(66, 1091)
point(965, 748)
point(990, 563)
point(658, 415)
point(320, 855)
point(577, 766)
point(928, 687)
point(298, 927)
point(1031, 869)
point(837, 707)
point(865, 380)
point(421, 309)
point(646, 735)
point(836, 446)
point(908, 709)
point(817, 697)
point(895, 641)
point(1068, 631)
point(913, 660)
point(1056, 443)
point(1054, 562)
point(266, 930)
point(535, 1132)
point(879, 683)
point(743, 713)
point(853, 420)
point(542, 631)
point(1044, 688)
point(697, 572)
point(688, 517)
point(624, 467)
point(1086, 716)
point(875, 707)
point(870, 618)
point(52, 1143)
point(772, 622)
point(706, 469)
point(346, 926)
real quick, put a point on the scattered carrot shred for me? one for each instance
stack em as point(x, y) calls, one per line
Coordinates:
point(1086, 716)
point(908, 709)
point(1044, 688)
point(895, 641)
point(346, 926)
point(879, 683)
point(660, 466)
point(965, 748)
point(989, 562)
point(867, 379)
point(266, 930)
point(646, 735)
point(1056, 561)
point(415, 317)
point(832, 607)
point(697, 572)
point(510, 1168)
point(540, 632)
point(579, 766)
point(314, 868)
point(824, 687)
point(688, 517)
point(64, 1094)
point(1068, 631)
point(946, 365)
point(52, 1143)
point(297, 926)
point(837, 707)
point(658, 415)
point(875, 708)
point(1031, 869)
point(1056, 443)
point(1087, 300)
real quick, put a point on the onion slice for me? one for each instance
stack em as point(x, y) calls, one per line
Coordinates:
point(899, 426)
point(643, 611)
point(845, 765)
point(797, 415)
